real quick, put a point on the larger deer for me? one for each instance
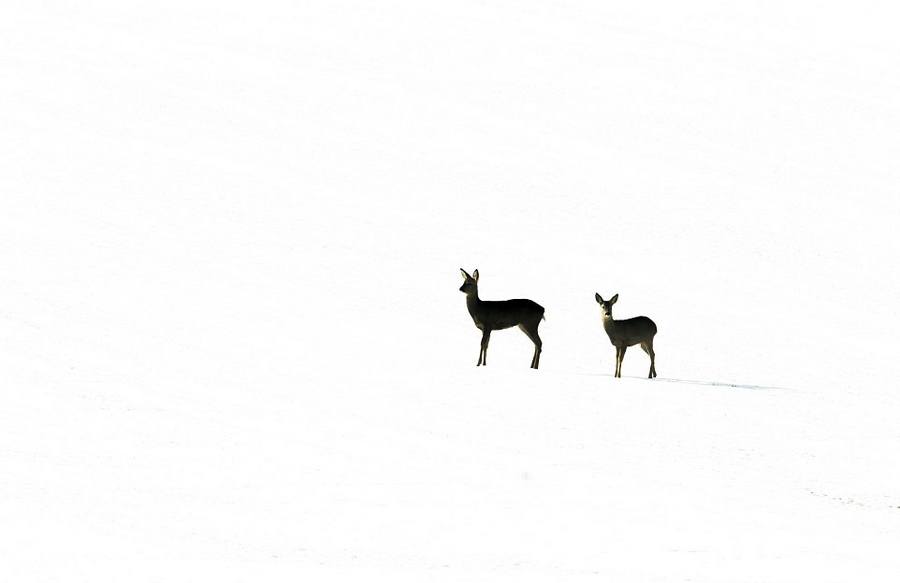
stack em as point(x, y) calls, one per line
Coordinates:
point(490, 316)
point(625, 333)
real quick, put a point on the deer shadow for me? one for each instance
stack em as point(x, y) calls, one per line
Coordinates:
point(725, 385)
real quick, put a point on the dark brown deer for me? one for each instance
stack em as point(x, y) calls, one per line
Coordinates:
point(625, 333)
point(490, 316)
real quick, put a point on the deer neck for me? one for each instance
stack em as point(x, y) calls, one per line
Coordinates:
point(473, 303)
point(609, 325)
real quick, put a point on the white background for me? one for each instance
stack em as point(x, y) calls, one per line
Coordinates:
point(232, 345)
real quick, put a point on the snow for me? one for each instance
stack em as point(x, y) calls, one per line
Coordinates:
point(232, 345)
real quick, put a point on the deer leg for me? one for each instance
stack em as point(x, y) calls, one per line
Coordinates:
point(620, 356)
point(485, 338)
point(648, 348)
point(533, 336)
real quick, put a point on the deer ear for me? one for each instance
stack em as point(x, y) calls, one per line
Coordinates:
point(613, 299)
point(475, 275)
point(598, 298)
point(463, 273)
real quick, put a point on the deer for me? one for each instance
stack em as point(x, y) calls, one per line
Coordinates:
point(625, 333)
point(491, 315)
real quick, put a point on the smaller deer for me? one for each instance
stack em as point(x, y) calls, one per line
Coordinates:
point(489, 316)
point(625, 333)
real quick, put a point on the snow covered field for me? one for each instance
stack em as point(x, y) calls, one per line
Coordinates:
point(232, 345)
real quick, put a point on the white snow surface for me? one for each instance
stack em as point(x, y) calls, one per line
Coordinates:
point(232, 345)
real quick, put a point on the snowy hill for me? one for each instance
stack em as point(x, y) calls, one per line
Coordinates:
point(232, 345)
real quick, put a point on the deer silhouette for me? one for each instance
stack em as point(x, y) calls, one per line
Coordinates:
point(625, 333)
point(490, 316)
